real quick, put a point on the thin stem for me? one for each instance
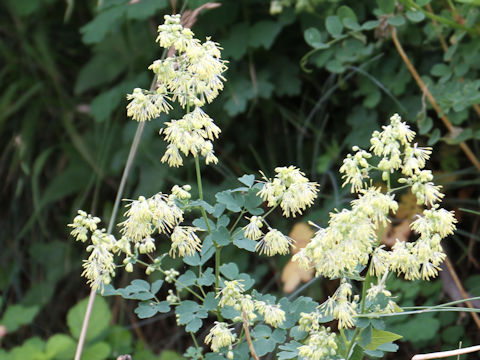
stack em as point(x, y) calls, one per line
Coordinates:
point(466, 149)
point(247, 334)
point(237, 221)
point(116, 205)
point(444, 354)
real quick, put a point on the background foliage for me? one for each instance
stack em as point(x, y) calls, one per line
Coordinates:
point(304, 85)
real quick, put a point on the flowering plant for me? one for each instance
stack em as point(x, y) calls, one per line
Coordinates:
point(249, 323)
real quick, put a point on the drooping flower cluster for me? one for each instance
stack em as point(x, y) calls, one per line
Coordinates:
point(190, 135)
point(100, 267)
point(351, 239)
point(291, 189)
point(191, 75)
point(319, 345)
point(220, 336)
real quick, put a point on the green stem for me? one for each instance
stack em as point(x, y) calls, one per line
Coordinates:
point(236, 221)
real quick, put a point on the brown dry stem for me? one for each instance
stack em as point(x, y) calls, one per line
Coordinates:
point(466, 149)
point(247, 335)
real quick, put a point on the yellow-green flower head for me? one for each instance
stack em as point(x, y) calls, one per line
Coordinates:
point(355, 169)
point(345, 243)
point(171, 275)
point(146, 245)
point(341, 307)
point(435, 221)
point(231, 293)
point(181, 193)
point(320, 345)
point(172, 298)
point(414, 159)
point(402, 260)
point(146, 106)
point(274, 242)
point(100, 268)
point(252, 230)
point(172, 33)
point(82, 224)
point(185, 241)
point(220, 336)
point(376, 205)
point(272, 314)
point(309, 321)
point(291, 189)
point(144, 216)
point(190, 135)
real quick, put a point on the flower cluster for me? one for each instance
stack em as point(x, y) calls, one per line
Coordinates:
point(351, 239)
point(191, 75)
point(190, 135)
point(100, 267)
point(291, 189)
point(220, 336)
point(319, 345)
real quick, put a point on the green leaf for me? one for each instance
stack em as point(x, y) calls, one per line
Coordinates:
point(289, 350)
point(313, 37)
point(351, 24)
point(235, 44)
point(99, 320)
point(18, 315)
point(242, 242)
point(97, 351)
point(60, 346)
point(104, 22)
point(387, 6)
point(233, 202)
point(415, 16)
point(440, 69)
point(207, 278)
point(346, 12)
point(247, 180)
point(370, 25)
point(187, 279)
point(397, 20)
point(263, 33)
point(334, 25)
point(380, 337)
point(221, 236)
point(155, 287)
point(434, 137)
point(230, 270)
point(170, 355)
point(210, 302)
point(148, 309)
point(144, 9)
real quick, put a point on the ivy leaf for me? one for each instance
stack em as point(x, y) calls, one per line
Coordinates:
point(263, 33)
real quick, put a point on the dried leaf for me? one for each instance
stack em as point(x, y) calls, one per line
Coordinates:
point(401, 232)
point(292, 273)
